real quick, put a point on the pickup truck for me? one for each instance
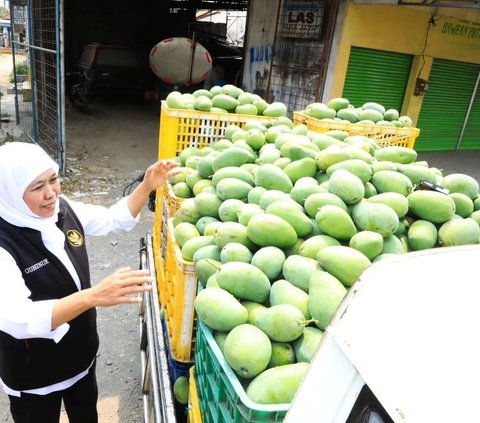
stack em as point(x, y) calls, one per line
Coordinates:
point(401, 348)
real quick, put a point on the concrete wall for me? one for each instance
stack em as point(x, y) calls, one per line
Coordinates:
point(260, 34)
point(454, 35)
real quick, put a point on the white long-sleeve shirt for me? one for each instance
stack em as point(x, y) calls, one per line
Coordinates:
point(23, 318)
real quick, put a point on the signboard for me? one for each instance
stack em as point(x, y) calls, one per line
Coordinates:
point(301, 19)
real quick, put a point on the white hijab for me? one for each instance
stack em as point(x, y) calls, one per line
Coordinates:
point(20, 164)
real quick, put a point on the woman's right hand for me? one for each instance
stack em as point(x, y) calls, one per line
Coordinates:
point(120, 287)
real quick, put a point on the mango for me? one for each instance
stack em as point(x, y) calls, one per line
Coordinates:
point(396, 154)
point(459, 182)
point(463, 204)
point(228, 210)
point(284, 292)
point(247, 350)
point(207, 204)
point(270, 230)
point(422, 235)
point(282, 354)
point(312, 245)
point(270, 261)
point(219, 309)
point(290, 212)
point(234, 251)
point(347, 186)
point(358, 167)
point(367, 242)
point(393, 245)
point(459, 232)
point(432, 206)
point(300, 168)
point(300, 193)
point(326, 293)
point(417, 173)
point(193, 244)
point(232, 172)
point(228, 188)
point(231, 232)
point(336, 222)
point(254, 310)
point(245, 281)
point(180, 390)
point(247, 211)
point(297, 270)
point(271, 177)
point(282, 322)
point(219, 338)
point(333, 259)
point(203, 222)
point(395, 200)
point(376, 217)
point(255, 195)
point(233, 156)
point(185, 231)
point(187, 212)
point(307, 344)
point(316, 201)
point(277, 385)
point(391, 181)
point(271, 196)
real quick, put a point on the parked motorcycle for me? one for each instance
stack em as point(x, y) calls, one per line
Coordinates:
point(78, 89)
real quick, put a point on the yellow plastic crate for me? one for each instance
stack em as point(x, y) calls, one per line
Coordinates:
point(384, 136)
point(159, 240)
point(194, 413)
point(173, 201)
point(180, 128)
point(179, 291)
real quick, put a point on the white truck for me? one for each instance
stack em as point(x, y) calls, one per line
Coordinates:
point(402, 347)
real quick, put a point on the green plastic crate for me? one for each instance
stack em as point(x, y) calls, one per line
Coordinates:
point(221, 394)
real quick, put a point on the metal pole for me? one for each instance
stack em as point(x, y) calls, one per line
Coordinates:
point(61, 151)
point(469, 110)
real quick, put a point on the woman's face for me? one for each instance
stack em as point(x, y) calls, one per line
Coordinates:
point(41, 195)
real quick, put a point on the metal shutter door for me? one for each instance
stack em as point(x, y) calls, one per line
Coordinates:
point(471, 136)
point(445, 104)
point(376, 75)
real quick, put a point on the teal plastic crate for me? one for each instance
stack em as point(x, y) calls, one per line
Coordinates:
point(221, 394)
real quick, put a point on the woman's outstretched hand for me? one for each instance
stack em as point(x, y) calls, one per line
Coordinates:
point(158, 173)
point(120, 287)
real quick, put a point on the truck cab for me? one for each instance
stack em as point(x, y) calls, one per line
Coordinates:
point(402, 346)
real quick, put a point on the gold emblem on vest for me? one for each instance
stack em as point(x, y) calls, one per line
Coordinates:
point(75, 238)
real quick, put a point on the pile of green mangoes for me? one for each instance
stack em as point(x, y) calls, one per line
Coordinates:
point(226, 99)
point(280, 222)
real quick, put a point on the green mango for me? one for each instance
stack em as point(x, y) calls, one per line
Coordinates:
point(219, 309)
point(277, 385)
point(284, 292)
point(282, 322)
point(326, 294)
point(247, 350)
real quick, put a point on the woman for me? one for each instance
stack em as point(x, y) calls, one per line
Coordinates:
point(48, 336)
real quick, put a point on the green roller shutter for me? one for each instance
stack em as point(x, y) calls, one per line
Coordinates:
point(445, 106)
point(376, 75)
point(471, 136)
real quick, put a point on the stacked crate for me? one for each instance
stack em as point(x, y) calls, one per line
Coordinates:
point(176, 277)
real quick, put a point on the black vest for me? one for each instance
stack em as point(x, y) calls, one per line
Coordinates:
point(38, 362)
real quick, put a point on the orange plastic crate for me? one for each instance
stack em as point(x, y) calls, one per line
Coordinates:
point(384, 136)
